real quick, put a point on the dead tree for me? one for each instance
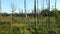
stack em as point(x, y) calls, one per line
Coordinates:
point(35, 17)
point(0, 15)
point(25, 10)
point(55, 4)
point(26, 16)
point(42, 15)
point(0, 11)
point(48, 14)
point(55, 15)
point(11, 15)
point(19, 12)
point(12, 12)
point(37, 13)
point(42, 4)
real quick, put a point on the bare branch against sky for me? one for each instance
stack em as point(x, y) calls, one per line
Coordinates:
point(13, 8)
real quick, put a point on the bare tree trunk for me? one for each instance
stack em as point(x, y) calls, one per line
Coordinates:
point(12, 12)
point(55, 4)
point(0, 15)
point(35, 17)
point(37, 13)
point(42, 9)
point(25, 10)
point(48, 15)
point(0, 11)
point(55, 15)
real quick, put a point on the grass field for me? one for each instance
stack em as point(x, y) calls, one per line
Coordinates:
point(20, 26)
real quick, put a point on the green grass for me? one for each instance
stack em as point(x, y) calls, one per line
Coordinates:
point(19, 25)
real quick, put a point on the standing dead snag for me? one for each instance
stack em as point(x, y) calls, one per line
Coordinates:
point(55, 4)
point(12, 12)
point(25, 10)
point(55, 15)
point(42, 16)
point(35, 17)
point(0, 14)
point(37, 13)
point(11, 15)
point(0, 11)
point(48, 14)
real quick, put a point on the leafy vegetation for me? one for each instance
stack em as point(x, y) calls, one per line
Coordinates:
point(20, 26)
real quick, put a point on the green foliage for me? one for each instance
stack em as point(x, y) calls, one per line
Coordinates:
point(21, 27)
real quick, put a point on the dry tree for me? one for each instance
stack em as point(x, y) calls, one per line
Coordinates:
point(13, 8)
point(48, 14)
point(0, 14)
point(25, 10)
point(55, 4)
point(37, 13)
point(0, 11)
point(35, 17)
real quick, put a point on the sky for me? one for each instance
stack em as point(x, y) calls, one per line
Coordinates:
point(19, 4)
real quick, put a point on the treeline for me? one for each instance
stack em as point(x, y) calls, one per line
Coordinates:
point(43, 13)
